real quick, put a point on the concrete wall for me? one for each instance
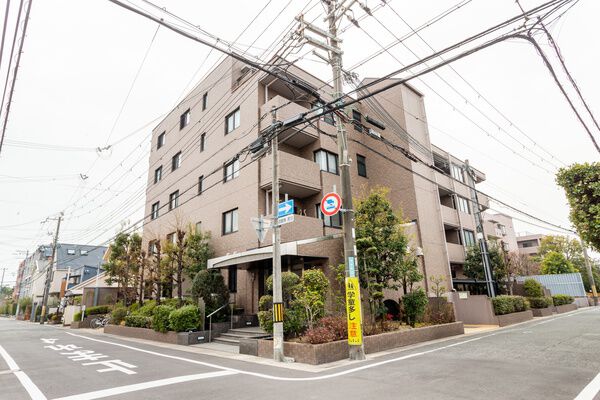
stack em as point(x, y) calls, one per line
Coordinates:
point(473, 309)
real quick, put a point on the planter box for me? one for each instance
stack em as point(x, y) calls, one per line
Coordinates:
point(181, 338)
point(86, 323)
point(565, 308)
point(328, 352)
point(514, 318)
point(542, 312)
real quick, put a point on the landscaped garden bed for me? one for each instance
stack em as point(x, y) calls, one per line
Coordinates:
point(563, 303)
point(511, 310)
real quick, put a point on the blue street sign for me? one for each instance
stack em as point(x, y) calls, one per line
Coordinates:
point(285, 208)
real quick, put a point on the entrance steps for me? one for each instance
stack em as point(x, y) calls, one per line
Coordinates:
point(233, 336)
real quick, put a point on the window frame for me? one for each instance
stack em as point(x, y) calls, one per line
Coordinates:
point(234, 222)
point(161, 140)
point(202, 142)
point(335, 221)
point(362, 162)
point(471, 235)
point(234, 173)
point(174, 200)
point(233, 116)
point(204, 101)
point(357, 120)
point(157, 174)
point(185, 119)
point(200, 184)
point(463, 202)
point(177, 157)
point(327, 155)
point(455, 170)
point(154, 213)
point(71, 252)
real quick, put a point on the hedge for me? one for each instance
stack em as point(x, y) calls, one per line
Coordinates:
point(562, 299)
point(77, 316)
point(160, 319)
point(97, 310)
point(118, 314)
point(138, 321)
point(541, 302)
point(509, 304)
point(184, 319)
point(533, 288)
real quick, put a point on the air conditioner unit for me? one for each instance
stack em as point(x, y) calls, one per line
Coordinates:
point(373, 133)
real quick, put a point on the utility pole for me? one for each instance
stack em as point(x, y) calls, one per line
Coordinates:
point(331, 45)
point(588, 266)
point(21, 283)
point(485, 255)
point(277, 289)
point(49, 273)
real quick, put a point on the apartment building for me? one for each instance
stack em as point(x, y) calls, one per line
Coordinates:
point(529, 244)
point(196, 179)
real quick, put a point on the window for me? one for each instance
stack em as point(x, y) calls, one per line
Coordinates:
point(176, 161)
point(152, 247)
point(361, 163)
point(327, 161)
point(232, 279)
point(202, 141)
point(357, 120)
point(71, 252)
point(457, 173)
point(200, 184)
point(502, 229)
point(231, 170)
point(463, 204)
point(204, 101)
point(161, 140)
point(172, 238)
point(469, 238)
point(230, 221)
point(173, 200)
point(83, 252)
point(333, 221)
point(155, 208)
point(184, 120)
point(232, 121)
point(157, 174)
point(198, 227)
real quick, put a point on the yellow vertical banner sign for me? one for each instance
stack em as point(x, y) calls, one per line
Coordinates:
point(353, 311)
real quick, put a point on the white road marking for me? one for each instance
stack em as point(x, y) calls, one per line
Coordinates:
point(591, 390)
point(34, 392)
point(144, 385)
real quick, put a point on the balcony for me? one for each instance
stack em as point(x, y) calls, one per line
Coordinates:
point(303, 227)
point(295, 137)
point(456, 253)
point(449, 216)
point(298, 177)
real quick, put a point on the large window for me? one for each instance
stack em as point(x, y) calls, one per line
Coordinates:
point(469, 238)
point(231, 170)
point(158, 174)
point(174, 200)
point(361, 163)
point(457, 173)
point(200, 184)
point(357, 120)
point(184, 119)
point(202, 141)
point(155, 208)
point(160, 142)
point(463, 204)
point(232, 279)
point(334, 221)
point(204, 101)
point(230, 221)
point(327, 161)
point(232, 121)
point(176, 161)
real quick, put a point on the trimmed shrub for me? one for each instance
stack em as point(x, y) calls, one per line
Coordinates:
point(540, 302)
point(415, 304)
point(265, 303)
point(97, 310)
point(265, 320)
point(138, 321)
point(521, 303)
point(509, 304)
point(160, 320)
point(134, 307)
point(328, 329)
point(317, 335)
point(118, 314)
point(77, 317)
point(562, 299)
point(184, 319)
point(533, 288)
point(147, 309)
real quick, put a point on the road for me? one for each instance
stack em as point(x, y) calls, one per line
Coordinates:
point(554, 358)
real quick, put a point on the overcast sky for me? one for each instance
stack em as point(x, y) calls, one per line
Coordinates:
point(80, 59)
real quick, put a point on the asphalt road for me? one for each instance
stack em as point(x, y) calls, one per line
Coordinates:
point(555, 358)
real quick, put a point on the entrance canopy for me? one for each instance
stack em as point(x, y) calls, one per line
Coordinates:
point(263, 253)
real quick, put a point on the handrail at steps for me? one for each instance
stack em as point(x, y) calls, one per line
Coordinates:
point(209, 316)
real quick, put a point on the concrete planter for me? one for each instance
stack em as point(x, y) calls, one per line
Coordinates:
point(86, 323)
point(514, 318)
point(181, 338)
point(328, 352)
point(542, 312)
point(565, 308)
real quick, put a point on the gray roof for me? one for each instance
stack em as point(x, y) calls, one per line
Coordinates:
point(78, 255)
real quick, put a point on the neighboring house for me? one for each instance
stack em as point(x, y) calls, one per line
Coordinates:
point(499, 229)
point(530, 244)
point(230, 108)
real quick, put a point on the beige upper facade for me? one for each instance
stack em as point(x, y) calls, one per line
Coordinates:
point(529, 244)
point(195, 179)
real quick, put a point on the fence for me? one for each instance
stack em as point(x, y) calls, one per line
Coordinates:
point(570, 284)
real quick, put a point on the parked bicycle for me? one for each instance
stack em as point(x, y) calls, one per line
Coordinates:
point(99, 322)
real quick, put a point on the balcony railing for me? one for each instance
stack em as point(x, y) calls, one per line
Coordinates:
point(297, 137)
point(298, 176)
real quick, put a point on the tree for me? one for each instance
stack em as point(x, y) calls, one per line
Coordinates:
point(175, 256)
point(311, 293)
point(197, 252)
point(382, 249)
point(409, 273)
point(210, 286)
point(124, 262)
point(556, 263)
point(473, 267)
point(581, 183)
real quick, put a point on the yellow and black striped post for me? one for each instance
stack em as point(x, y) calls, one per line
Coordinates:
point(277, 312)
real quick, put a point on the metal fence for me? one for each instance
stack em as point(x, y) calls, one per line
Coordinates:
point(570, 284)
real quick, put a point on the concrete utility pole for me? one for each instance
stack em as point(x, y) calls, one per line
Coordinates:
point(588, 266)
point(49, 273)
point(277, 290)
point(485, 255)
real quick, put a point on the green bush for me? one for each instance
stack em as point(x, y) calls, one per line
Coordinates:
point(415, 304)
point(265, 303)
point(265, 320)
point(533, 288)
point(521, 303)
point(562, 299)
point(294, 320)
point(97, 310)
point(77, 317)
point(160, 320)
point(138, 321)
point(509, 304)
point(185, 318)
point(147, 309)
point(134, 308)
point(118, 315)
point(540, 302)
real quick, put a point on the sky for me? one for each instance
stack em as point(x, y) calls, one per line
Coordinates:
point(94, 75)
